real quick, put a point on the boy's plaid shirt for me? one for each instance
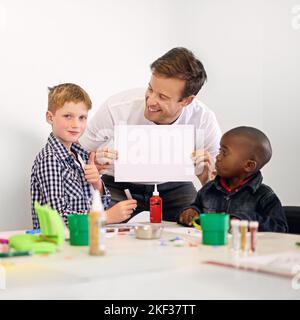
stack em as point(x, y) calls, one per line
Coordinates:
point(58, 180)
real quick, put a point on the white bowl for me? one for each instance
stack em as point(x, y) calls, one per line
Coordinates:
point(149, 231)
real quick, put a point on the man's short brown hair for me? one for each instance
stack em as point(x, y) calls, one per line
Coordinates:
point(67, 92)
point(181, 63)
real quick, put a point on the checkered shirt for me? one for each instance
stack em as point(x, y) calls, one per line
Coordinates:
point(58, 180)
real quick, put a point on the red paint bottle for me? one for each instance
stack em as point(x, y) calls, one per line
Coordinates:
point(155, 207)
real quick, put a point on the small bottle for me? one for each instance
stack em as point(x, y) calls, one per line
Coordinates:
point(244, 230)
point(155, 207)
point(253, 234)
point(235, 231)
point(97, 230)
point(4, 247)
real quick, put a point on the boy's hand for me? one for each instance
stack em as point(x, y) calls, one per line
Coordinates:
point(187, 216)
point(120, 211)
point(91, 172)
point(204, 166)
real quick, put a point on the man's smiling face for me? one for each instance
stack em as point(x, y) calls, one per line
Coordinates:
point(163, 99)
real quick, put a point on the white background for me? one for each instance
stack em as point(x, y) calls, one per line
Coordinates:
point(250, 49)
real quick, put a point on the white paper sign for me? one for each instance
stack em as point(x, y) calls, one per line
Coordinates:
point(154, 153)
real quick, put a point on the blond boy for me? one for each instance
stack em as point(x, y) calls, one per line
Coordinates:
point(63, 173)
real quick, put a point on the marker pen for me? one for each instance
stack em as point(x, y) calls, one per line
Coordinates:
point(235, 231)
point(253, 234)
point(33, 231)
point(128, 195)
point(15, 254)
point(4, 247)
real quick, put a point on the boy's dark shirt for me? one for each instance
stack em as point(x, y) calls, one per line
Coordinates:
point(253, 201)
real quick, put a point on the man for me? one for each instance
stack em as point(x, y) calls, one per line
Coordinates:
point(170, 99)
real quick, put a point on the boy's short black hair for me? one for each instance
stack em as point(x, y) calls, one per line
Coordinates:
point(260, 148)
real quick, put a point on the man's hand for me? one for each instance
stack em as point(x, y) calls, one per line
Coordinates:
point(187, 216)
point(204, 166)
point(105, 158)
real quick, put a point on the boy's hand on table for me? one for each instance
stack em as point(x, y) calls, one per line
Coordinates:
point(187, 216)
point(204, 166)
point(120, 211)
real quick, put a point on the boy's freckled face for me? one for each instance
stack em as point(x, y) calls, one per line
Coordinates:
point(69, 122)
point(233, 153)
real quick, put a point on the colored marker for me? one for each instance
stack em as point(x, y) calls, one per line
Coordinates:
point(15, 254)
point(4, 247)
point(128, 195)
point(253, 234)
point(117, 229)
point(235, 230)
point(244, 229)
point(33, 231)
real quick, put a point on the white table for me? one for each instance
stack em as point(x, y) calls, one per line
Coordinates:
point(144, 269)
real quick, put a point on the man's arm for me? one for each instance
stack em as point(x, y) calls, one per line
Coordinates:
point(208, 136)
point(204, 166)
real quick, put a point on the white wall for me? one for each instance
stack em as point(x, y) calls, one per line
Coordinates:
point(249, 49)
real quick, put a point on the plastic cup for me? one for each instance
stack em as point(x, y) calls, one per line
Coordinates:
point(215, 228)
point(79, 230)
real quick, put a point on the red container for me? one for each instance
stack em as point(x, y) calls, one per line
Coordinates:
point(155, 209)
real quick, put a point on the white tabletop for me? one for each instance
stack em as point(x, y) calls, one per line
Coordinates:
point(146, 269)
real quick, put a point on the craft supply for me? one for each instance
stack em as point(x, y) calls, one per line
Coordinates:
point(244, 230)
point(128, 195)
point(215, 228)
point(97, 226)
point(176, 238)
point(148, 231)
point(110, 230)
point(195, 223)
point(15, 254)
point(253, 235)
point(4, 248)
point(235, 231)
point(33, 231)
point(79, 229)
point(52, 233)
point(155, 207)
point(179, 243)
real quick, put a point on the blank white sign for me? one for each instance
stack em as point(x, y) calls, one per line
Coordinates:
point(154, 153)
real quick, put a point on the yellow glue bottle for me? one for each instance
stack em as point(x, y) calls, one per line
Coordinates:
point(97, 230)
point(244, 229)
